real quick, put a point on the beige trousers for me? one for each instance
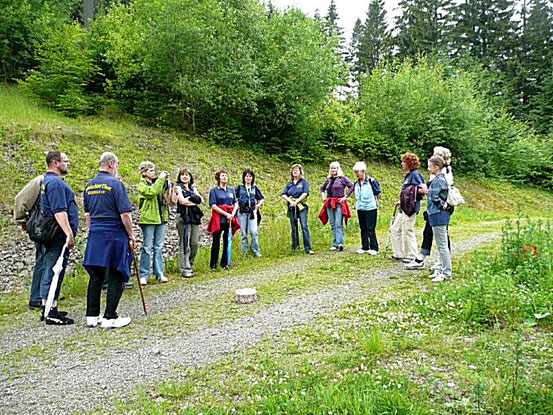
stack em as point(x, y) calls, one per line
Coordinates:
point(404, 240)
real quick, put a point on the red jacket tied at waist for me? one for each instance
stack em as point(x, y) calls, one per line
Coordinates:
point(333, 202)
point(214, 224)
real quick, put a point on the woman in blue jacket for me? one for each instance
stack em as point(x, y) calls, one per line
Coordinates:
point(438, 216)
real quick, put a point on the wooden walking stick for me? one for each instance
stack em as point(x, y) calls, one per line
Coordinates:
point(131, 244)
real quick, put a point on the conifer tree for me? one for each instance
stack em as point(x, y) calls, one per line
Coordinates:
point(423, 27)
point(373, 43)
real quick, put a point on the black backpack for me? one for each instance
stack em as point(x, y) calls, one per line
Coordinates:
point(43, 229)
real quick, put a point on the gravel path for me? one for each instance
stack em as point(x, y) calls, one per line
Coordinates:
point(78, 381)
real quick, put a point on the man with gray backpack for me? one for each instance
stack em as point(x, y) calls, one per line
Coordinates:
point(52, 223)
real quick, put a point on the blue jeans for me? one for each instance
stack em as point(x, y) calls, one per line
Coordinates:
point(335, 219)
point(153, 237)
point(248, 225)
point(49, 256)
point(37, 274)
point(294, 215)
point(440, 235)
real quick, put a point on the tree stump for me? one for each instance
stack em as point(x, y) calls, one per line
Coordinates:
point(246, 295)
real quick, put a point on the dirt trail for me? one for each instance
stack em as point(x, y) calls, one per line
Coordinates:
point(78, 379)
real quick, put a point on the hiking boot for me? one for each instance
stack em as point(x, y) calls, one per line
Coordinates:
point(310, 252)
point(115, 323)
point(372, 252)
point(93, 321)
point(333, 248)
point(129, 284)
point(143, 281)
point(61, 313)
point(341, 247)
point(413, 265)
point(35, 304)
point(55, 318)
point(408, 259)
point(163, 279)
point(187, 274)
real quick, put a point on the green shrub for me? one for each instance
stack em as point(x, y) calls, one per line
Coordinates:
point(502, 290)
point(65, 69)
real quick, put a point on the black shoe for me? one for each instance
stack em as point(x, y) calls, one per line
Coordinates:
point(61, 313)
point(55, 318)
point(35, 304)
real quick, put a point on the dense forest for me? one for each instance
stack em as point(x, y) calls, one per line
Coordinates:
point(475, 75)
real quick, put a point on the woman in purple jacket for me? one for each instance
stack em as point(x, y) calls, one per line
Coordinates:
point(333, 193)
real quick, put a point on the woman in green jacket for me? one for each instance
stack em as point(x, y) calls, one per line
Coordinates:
point(153, 221)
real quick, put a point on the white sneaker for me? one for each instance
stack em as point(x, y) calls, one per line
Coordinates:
point(372, 252)
point(414, 265)
point(333, 248)
point(362, 251)
point(435, 266)
point(439, 278)
point(258, 255)
point(434, 274)
point(115, 322)
point(143, 281)
point(93, 321)
point(163, 279)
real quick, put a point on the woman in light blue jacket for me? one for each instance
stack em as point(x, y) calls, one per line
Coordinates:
point(367, 193)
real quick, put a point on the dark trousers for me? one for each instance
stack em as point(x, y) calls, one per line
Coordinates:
point(367, 223)
point(116, 284)
point(427, 236)
point(216, 246)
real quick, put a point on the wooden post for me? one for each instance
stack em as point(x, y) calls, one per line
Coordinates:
point(88, 12)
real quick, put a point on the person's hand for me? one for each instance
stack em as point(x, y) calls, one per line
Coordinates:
point(342, 199)
point(70, 241)
point(132, 242)
point(163, 174)
point(228, 215)
point(293, 204)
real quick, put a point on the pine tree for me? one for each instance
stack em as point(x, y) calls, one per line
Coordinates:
point(485, 30)
point(536, 50)
point(423, 26)
point(373, 41)
point(352, 57)
point(332, 29)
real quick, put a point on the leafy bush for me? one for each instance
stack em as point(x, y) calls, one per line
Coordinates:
point(64, 71)
point(507, 289)
point(23, 23)
point(404, 107)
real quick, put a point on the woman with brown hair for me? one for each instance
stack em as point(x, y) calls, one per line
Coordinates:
point(295, 192)
point(188, 220)
point(224, 205)
point(404, 240)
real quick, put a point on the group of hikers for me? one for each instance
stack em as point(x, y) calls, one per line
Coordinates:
point(51, 217)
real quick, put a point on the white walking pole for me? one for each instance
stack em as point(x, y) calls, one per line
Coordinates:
point(54, 285)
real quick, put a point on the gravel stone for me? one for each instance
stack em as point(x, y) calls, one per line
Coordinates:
point(78, 381)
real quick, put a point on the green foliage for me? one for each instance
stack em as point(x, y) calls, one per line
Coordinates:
point(506, 289)
point(64, 71)
point(24, 22)
point(406, 107)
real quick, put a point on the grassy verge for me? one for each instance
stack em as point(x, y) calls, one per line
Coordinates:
point(409, 350)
